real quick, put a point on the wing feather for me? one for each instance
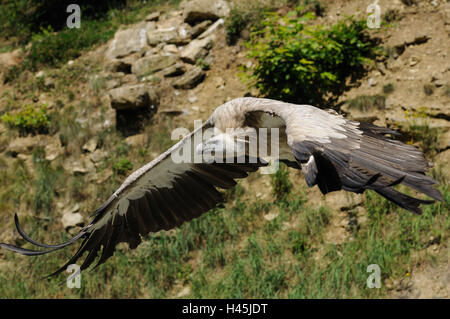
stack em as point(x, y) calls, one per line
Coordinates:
point(160, 196)
point(336, 153)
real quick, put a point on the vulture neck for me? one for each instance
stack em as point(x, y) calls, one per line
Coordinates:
point(232, 114)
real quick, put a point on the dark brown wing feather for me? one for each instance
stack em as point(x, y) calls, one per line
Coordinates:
point(161, 198)
point(336, 154)
point(378, 164)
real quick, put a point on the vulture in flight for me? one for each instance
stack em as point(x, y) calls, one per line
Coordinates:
point(334, 153)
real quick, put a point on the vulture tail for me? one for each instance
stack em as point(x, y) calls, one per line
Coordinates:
point(378, 164)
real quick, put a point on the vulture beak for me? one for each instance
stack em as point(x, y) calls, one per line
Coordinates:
point(216, 144)
point(220, 144)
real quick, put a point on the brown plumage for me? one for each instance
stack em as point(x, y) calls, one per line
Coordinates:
point(334, 153)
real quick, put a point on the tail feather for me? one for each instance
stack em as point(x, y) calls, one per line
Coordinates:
point(407, 202)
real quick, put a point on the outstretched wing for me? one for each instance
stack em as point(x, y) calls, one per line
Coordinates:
point(336, 153)
point(159, 196)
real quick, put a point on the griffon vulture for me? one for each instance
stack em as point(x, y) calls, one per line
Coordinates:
point(333, 153)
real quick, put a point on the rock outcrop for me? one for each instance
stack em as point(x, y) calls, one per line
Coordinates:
point(153, 63)
point(190, 79)
point(129, 41)
point(197, 49)
point(133, 97)
point(199, 10)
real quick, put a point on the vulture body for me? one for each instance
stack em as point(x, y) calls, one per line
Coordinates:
point(333, 153)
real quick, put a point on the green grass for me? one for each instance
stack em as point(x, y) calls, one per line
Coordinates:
point(392, 15)
point(366, 103)
point(122, 166)
point(281, 185)
point(388, 88)
point(45, 183)
point(229, 252)
point(53, 49)
point(234, 252)
point(16, 183)
point(418, 131)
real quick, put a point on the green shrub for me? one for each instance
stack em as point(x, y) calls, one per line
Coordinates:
point(240, 19)
point(365, 103)
point(34, 22)
point(52, 49)
point(122, 166)
point(299, 63)
point(21, 18)
point(388, 88)
point(392, 15)
point(428, 89)
point(236, 22)
point(14, 19)
point(30, 120)
point(204, 65)
point(281, 185)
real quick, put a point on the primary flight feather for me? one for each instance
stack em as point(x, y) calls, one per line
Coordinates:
point(333, 153)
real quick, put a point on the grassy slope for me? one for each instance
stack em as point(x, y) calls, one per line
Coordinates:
point(235, 252)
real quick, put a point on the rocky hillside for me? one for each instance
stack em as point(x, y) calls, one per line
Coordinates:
point(112, 109)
